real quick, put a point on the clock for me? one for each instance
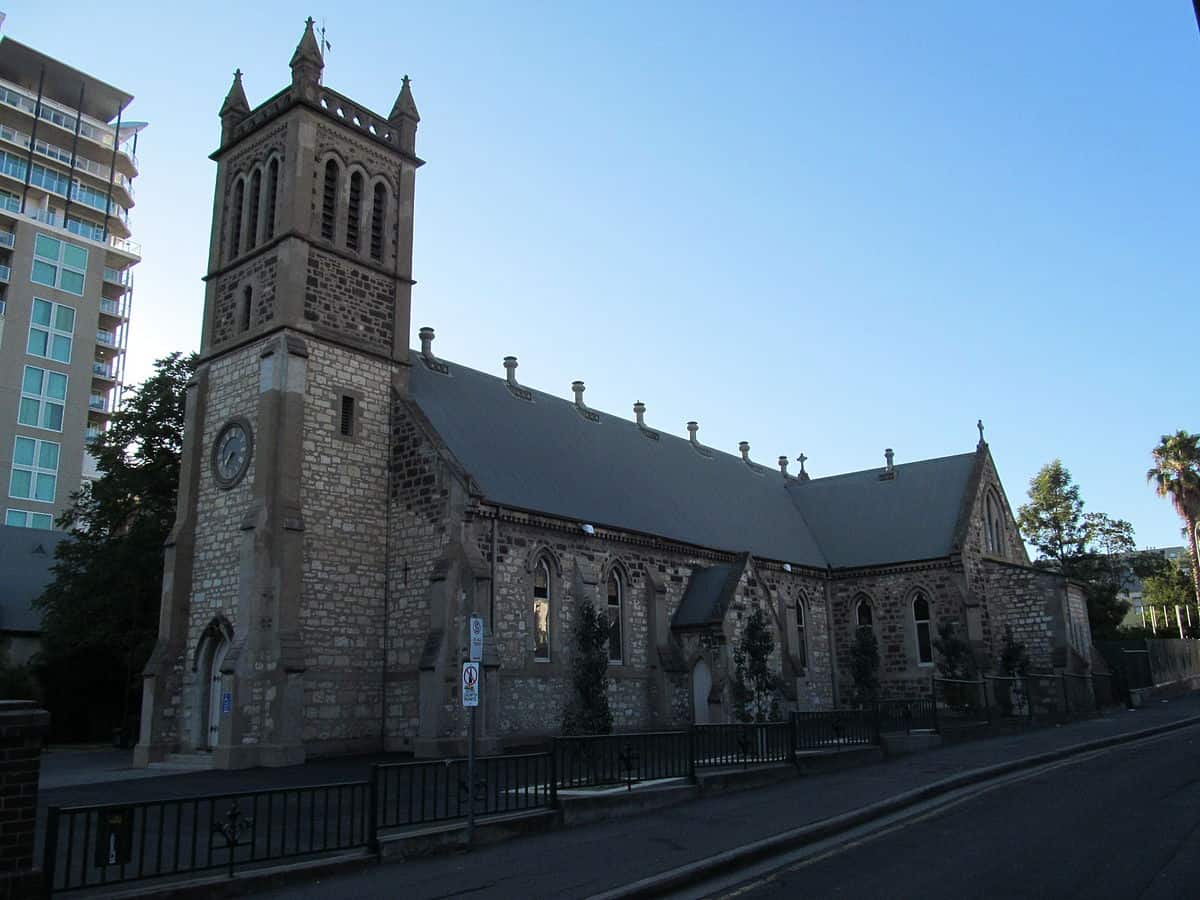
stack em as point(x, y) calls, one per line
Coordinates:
point(231, 452)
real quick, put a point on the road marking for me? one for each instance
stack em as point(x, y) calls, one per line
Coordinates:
point(856, 837)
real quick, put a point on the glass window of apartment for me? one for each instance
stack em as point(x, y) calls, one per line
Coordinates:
point(34, 470)
point(43, 395)
point(50, 329)
point(19, 518)
point(59, 264)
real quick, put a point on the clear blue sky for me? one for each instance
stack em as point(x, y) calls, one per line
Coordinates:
point(821, 227)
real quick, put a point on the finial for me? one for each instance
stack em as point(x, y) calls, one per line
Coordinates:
point(979, 425)
point(307, 61)
point(235, 108)
point(802, 459)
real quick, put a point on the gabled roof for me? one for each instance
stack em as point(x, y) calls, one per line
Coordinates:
point(859, 519)
point(544, 455)
point(26, 557)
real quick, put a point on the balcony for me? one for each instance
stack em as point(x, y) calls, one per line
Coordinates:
point(92, 433)
point(3, 307)
point(5, 274)
point(98, 402)
point(110, 308)
point(100, 370)
point(106, 338)
point(7, 239)
point(116, 276)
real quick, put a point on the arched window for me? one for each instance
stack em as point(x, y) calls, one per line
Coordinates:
point(235, 221)
point(801, 638)
point(255, 200)
point(993, 525)
point(541, 611)
point(354, 211)
point(378, 217)
point(615, 654)
point(920, 611)
point(863, 616)
point(272, 198)
point(244, 309)
point(329, 200)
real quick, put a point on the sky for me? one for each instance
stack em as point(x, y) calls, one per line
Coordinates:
point(823, 228)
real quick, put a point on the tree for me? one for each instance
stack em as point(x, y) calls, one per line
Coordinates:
point(864, 666)
point(1170, 586)
point(756, 687)
point(954, 654)
point(1052, 520)
point(588, 711)
point(1014, 661)
point(1176, 475)
point(100, 613)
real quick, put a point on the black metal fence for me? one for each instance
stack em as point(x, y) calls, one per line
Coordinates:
point(89, 846)
point(906, 715)
point(419, 793)
point(740, 744)
point(835, 729)
point(594, 760)
point(960, 702)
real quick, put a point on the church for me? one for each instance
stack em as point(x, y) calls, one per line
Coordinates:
point(346, 503)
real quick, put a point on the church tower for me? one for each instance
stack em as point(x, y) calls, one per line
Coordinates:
point(271, 637)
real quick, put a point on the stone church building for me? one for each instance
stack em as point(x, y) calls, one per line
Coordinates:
point(346, 502)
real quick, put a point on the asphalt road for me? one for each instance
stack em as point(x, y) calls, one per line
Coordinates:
point(1125, 824)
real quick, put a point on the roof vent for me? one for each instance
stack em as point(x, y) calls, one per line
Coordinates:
point(639, 413)
point(783, 464)
point(431, 362)
point(889, 469)
point(744, 449)
point(510, 364)
point(692, 428)
point(589, 414)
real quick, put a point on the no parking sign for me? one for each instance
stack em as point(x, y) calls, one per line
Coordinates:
point(470, 684)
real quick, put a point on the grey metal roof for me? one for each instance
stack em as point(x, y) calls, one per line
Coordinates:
point(547, 457)
point(860, 520)
point(708, 594)
point(26, 557)
point(23, 65)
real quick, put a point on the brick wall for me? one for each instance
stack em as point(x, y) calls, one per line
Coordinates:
point(352, 301)
point(22, 729)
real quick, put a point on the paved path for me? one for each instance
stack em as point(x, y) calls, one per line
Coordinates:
point(578, 862)
point(1122, 824)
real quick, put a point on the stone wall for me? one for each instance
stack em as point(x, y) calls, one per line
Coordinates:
point(419, 533)
point(890, 593)
point(232, 391)
point(350, 301)
point(343, 492)
point(1032, 602)
point(259, 274)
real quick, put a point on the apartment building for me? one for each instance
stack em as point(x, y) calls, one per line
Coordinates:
point(68, 161)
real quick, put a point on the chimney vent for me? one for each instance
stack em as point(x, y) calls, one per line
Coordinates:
point(589, 414)
point(692, 428)
point(426, 335)
point(744, 449)
point(783, 464)
point(889, 470)
point(639, 410)
point(514, 388)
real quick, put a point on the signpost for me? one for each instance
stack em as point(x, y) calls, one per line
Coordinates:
point(470, 701)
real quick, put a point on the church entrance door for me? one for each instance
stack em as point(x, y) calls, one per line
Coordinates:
point(701, 687)
point(214, 693)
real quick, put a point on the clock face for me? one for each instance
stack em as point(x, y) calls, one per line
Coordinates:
point(231, 453)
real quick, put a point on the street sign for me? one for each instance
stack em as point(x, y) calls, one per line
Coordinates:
point(470, 684)
point(476, 638)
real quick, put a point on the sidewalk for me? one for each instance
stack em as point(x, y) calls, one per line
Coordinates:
point(586, 860)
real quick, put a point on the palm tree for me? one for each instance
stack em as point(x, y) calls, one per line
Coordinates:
point(1176, 474)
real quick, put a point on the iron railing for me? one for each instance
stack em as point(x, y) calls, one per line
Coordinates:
point(962, 702)
point(906, 715)
point(740, 744)
point(87, 846)
point(594, 760)
point(835, 729)
point(418, 793)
